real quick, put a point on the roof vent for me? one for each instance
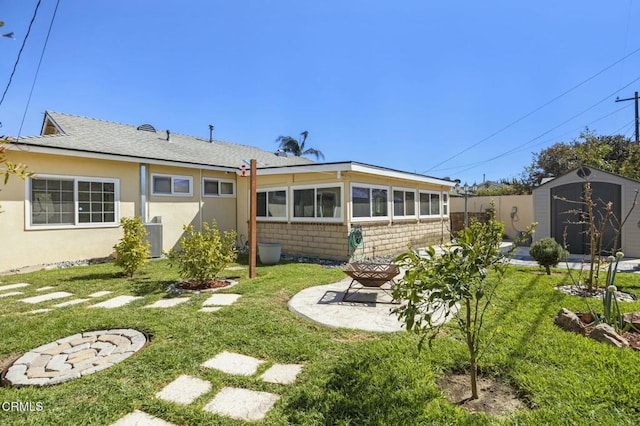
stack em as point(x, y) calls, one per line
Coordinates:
point(168, 136)
point(280, 153)
point(147, 128)
point(211, 126)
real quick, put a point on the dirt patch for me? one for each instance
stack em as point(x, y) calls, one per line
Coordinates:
point(356, 337)
point(495, 397)
point(7, 360)
point(281, 297)
point(204, 285)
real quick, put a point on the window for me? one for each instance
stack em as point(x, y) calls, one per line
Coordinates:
point(317, 202)
point(72, 201)
point(404, 203)
point(429, 204)
point(171, 185)
point(369, 202)
point(272, 204)
point(217, 188)
point(445, 204)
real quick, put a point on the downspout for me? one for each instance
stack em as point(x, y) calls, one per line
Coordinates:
point(200, 200)
point(143, 192)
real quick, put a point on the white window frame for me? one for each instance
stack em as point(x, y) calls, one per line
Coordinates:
point(116, 208)
point(416, 206)
point(440, 204)
point(315, 218)
point(284, 218)
point(370, 218)
point(220, 182)
point(173, 178)
point(444, 204)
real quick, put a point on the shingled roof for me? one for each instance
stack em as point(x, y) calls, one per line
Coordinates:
point(82, 134)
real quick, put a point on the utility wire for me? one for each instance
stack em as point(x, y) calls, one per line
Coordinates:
point(35, 77)
point(521, 146)
point(35, 12)
point(534, 111)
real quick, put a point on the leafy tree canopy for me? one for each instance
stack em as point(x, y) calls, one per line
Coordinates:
point(615, 154)
point(297, 147)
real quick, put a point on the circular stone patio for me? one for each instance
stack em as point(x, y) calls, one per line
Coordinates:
point(366, 309)
point(74, 356)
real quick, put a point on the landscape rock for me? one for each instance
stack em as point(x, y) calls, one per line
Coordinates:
point(569, 321)
point(607, 334)
point(632, 318)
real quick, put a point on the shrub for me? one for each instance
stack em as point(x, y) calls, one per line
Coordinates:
point(548, 252)
point(132, 251)
point(203, 255)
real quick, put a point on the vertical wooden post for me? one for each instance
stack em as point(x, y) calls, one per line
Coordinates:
point(253, 209)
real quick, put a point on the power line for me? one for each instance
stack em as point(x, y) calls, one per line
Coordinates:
point(534, 111)
point(15, 66)
point(523, 145)
point(35, 77)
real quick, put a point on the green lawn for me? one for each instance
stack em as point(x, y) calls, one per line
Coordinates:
point(349, 378)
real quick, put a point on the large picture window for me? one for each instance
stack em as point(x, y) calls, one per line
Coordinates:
point(317, 202)
point(73, 201)
point(369, 202)
point(429, 204)
point(171, 185)
point(272, 204)
point(404, 203)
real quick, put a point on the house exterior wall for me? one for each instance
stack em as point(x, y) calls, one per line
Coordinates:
point(504, 205)
point(175, 211)
point(21, 246)
point(630, 232)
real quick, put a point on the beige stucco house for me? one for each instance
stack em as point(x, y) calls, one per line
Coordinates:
point(90, 173)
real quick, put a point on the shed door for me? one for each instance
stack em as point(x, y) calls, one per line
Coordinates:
point(565, 215)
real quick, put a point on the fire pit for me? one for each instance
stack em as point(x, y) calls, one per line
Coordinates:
point(372, 276)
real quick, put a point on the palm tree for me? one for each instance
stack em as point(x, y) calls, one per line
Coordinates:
point(296, 147)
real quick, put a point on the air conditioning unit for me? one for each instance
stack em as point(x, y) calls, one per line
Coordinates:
point(154, 236)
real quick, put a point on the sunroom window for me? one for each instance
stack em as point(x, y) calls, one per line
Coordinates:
point(369, 202)
point(429, 204)
point(316, 203)
point(404, 203)
point(272, 204)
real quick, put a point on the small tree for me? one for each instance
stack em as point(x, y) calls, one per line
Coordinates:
point(203, 255)
point(8, 168)
point(132, 251)
point(548, 252)
point(440, 284)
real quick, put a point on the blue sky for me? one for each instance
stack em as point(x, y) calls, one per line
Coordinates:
point(412, 85)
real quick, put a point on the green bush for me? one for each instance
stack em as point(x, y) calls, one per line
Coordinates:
point(548, 252)
point(203, 255)
point(132, 251)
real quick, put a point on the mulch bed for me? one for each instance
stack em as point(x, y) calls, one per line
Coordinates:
point(204, 285)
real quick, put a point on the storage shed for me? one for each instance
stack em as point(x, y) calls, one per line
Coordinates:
point(556, 208)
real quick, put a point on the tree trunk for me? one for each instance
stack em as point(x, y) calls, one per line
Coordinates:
point(472, 353)
point(548, 268)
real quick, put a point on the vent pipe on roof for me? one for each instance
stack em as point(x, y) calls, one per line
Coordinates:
point(211, 126)
point(168, 136)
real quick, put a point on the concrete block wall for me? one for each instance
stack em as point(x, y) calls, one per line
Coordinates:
point(326, 241)
point(386, 239)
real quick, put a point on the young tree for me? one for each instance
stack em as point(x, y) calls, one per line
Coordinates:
point(297, 147)
point(8, 168)
point(439, 284)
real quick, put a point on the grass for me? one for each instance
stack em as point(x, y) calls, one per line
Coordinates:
point(350, 377)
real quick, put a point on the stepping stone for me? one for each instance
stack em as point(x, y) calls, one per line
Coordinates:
point(11, 293)
point(233, 363)
point(100, 293)
point(70, 303)
point(49, 287)
point(116, 302)
point(184, 390)
point(168, 303)
point(242, 404)
point(12, 286)
point(283, 374)
point(236, 268)
point(46, 297)
point(140, 418)
point(210, 309)
point(39, 311)
point(221, 299)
